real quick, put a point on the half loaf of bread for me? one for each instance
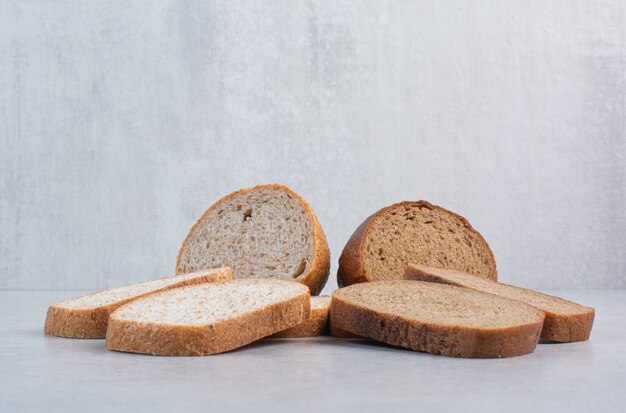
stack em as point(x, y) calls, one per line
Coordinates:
point(267, 231)
point(437, 318)
point(209, 318)
point(87, 316)
point(415, 232)
point(565, 320)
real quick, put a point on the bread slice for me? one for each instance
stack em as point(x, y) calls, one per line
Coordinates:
point(267, 231)
point(437, 318)
point(87, 316)
point(317, 323)
point(207, 319)
point(416, 232)
point(565, 321)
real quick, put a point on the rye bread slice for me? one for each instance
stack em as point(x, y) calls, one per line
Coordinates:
point(416, 232)
point(209, 318)
point(437, 318)
point(565, 320)
point(267, 231)
point(317, 323)
point(87, 316)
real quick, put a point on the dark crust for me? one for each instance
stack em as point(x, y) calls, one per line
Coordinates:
point(433, 338)
point(563, 328)
point(319, 269)
point(92, 322)
point(172, 340)
point(352, 261)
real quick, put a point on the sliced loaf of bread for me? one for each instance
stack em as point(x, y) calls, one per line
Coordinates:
point(267, 231)
point(565, 320)
point(416, 232)
point(316, 325)
point(437, 318)
point(209, 318)
point(87, 316)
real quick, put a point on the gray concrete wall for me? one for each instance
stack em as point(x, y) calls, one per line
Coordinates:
point(120, 122)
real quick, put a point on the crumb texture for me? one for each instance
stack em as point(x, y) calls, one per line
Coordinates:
point(207, 303)
point(263, 232)
point(420, 233)
point(114, 295)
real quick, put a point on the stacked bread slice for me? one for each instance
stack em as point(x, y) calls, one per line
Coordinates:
point(565, 321)
point(87, 316)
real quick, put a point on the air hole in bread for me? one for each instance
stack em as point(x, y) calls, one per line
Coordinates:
point(300, 269)
point(428, 222)
point(247, 215)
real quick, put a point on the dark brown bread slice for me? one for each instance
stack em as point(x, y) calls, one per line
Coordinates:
point(267, 231)
point(209, 318)
point(87, 316)
point(437, 318)
point(565, 320)
point(416, 232)
point(316, 325)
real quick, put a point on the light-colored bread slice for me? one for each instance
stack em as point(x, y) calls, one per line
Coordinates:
point(416, 232)
point(267, 231)
point(87, 316)
point(437, 318)
point(317, 323)
point(208, 318)
point(565, 321)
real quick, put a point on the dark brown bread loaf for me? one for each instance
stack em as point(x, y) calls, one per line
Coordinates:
point(437, 318)
point(416, 232)
point(565, 321)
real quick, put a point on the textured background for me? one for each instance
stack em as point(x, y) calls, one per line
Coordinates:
point(120, 122)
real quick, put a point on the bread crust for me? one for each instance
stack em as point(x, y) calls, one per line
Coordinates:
point(180, 340)
point(317, 275)
point(352, 260)
point(92, 322)
point(315, 325)
point(563, 328)
point(432, 337)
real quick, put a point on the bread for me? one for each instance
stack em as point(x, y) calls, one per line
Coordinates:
point(267, 231)
point(317, 323)
point(437, 318)
point(416, 232)
point(565, 321)
point(86, 316)
point(209, 318)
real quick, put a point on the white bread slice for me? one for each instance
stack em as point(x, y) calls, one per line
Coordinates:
point(267, 231)
point(417, 232)
point(209, 318)
point(565, 320)
point(316, 325)
point(87, 316)
point(437, 318)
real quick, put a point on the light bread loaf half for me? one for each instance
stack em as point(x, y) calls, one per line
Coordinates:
point(565, 320)
point(437, 318)
point(416, 232)
point(267, 231)
point(87, 316)
point(208, 318)
point(316, 325)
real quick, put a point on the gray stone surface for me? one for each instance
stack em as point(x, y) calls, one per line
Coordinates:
point(39, 373)
point(120, 122)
